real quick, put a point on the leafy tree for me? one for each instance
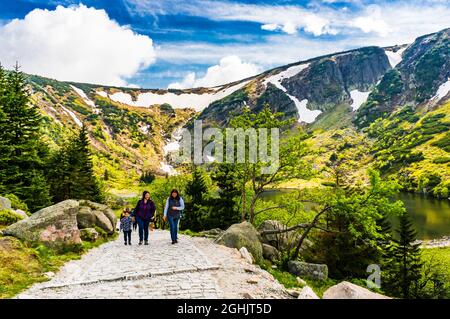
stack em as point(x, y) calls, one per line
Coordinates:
point(23, 154)
point(290, 164)
point(147, 177)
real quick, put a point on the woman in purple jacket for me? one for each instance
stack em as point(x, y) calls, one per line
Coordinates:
point(144, 213)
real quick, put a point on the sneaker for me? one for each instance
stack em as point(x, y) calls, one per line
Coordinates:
point(140, 243)
point(129, 244)
point(176, 241)
point(173, 242)
point(146, 243)
point(125, 243)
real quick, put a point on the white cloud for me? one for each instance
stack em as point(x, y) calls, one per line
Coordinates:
point(230, 68)
point(76, 43)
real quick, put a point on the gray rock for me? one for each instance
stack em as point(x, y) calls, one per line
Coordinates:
point(301, 281)
point(270, 252)
point(347, 290)
point(242, 235)
point(54, 226)
point(103, 222)
point(21, 213)
point(307, 293)
point(5, 203)
point(246, 255)
point(85, 218)
point(111, 216)
point(89, 234)
point(308, 270)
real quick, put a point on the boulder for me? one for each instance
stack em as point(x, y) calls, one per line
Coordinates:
point(89, 234)
point(246, 255)
point(108, 212)
point(103, 222)
point(5, 203)
point(307, 293)
point(242, 235)
point(270, 252)
point(301, 282)
point(347, 290)
point(85, 218)
point(54, 225)
point(21, 213)
point(111, 216)
point(308, 270)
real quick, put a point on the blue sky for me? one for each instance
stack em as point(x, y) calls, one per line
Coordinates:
point(199, 42)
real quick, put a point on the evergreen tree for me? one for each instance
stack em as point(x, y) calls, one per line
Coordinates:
point(403, 263)
point(196, 189)
point(23, 153)
point(224, 211)
point(72, 174)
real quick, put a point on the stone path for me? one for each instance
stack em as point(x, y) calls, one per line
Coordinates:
point(194, 268)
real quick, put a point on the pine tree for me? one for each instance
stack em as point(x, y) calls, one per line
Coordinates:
point(403, 263)
point(23, 153)
point(224, 212)
point(72, 173)
point(196, 190)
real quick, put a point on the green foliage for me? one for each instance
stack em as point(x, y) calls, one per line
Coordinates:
point(8, 217)
point(147, 177)
point(23, 154)
point(16, 203)
point(443, 143)
point(354, 233)
point(195, 202)
point(71, 175)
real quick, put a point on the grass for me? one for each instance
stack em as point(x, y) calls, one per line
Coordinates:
point(440, 256)
point(23, 264)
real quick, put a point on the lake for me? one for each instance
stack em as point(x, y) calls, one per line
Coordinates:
point(430, 216)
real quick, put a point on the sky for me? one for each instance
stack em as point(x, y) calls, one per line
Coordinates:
point(195, 43)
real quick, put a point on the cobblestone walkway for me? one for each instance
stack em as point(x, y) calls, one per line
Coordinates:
point(194, 268)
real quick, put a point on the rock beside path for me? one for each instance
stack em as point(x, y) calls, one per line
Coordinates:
point(54, 226)
point(347, 290)
point(308, 270)
point(242, 235)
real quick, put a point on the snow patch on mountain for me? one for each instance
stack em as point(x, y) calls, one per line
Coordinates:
point(182, 100)
point(86, 99)
point(358, 98)
point(394, 57)
point(73, 116)
point(442, 91)
point(305, 114)
point(102, 93)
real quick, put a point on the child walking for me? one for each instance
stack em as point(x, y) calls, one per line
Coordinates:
point(125, 225)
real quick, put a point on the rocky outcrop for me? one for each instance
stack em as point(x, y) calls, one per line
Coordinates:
point(55, 225)
point(103, 222)
point(5, 203)
point(85, 218)
point(242, 235)
point(107, 212)
point(347, 290)
point(308, 270)
point(307, 293)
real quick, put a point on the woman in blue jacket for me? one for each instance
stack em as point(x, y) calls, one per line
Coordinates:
point(144, 213)
point(172, 212)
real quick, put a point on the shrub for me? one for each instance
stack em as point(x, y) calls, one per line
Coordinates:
point(8, 217)
point(16, 203)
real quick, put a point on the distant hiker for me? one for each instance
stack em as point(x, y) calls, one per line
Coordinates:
point(144, 213)
point(125, 226)
point(172, 212)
